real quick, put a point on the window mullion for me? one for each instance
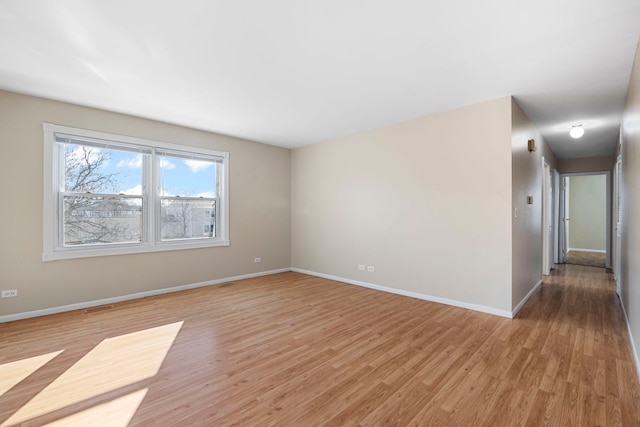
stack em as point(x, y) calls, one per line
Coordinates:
point(103, 195)
point(147, 218)
point(154, 195)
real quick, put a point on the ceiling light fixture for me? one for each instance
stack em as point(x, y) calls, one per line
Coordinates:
point(576, 131)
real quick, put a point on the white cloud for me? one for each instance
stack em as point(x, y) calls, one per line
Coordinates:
point(135, 191)
point(166, 164)
point(136, 162)
point(197, 165)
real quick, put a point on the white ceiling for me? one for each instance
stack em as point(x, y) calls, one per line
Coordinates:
point(296, 72)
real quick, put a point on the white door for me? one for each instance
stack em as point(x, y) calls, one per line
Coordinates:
point(550, 228)
point(617, 217)
point(556, 217)
point(547, 228)
point(564, 219)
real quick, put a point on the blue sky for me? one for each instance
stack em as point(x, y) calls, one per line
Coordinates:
point(179, 176)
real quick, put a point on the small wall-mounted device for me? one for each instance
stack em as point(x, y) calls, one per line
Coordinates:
point(529, 200)
point(531, 145)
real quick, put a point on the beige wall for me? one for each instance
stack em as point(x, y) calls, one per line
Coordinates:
point(427, 202)
point(588, 212)
point(590, 164)
point(630, 185)
point(259, 213)
point(527, 172)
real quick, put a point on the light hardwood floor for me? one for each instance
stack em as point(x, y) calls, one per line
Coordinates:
point(295, 350)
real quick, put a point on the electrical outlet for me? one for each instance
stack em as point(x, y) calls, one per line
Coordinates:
point(10, 293)
point(361, 267)
point(257, 260)
point(371, 269)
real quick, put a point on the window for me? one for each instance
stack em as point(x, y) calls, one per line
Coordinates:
point(108, 194)
point(185, 208)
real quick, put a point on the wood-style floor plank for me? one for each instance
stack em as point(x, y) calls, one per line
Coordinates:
point(296, 350)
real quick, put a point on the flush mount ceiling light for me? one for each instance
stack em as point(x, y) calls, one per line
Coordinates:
point(576, 131)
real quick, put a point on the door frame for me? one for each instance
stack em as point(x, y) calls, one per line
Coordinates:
point(564, 236)
point(556, 216)
point(617, 225)
point(548, 226)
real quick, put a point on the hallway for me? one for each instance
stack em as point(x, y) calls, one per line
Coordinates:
point(586, 345)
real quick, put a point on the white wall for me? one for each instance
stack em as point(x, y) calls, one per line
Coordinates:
point(588, 212)
point(427, 202)
point(259, 213)
point(630, 186)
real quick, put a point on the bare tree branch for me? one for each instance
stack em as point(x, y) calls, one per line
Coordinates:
point(90, 219)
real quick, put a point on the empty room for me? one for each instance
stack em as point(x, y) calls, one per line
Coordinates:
point(319, 213)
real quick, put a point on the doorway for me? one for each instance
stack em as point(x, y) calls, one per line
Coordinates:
point(585, 220)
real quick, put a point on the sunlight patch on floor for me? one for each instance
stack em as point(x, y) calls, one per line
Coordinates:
point(115, 413)
point(114, 363)
point(13, 372)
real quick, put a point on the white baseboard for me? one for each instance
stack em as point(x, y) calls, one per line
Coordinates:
point(600, 251)
point(81, 305)
point(633, 344)
point(455, 303)
point(526, 298)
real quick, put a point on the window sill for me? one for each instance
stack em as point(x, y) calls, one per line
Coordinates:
point(73, 253)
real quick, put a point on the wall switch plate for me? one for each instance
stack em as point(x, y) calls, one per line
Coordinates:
point(371, 269)
point(361, 267)
point(10, 293)
point(257, 260)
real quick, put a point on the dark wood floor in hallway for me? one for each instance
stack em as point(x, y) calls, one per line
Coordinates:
point(295, 350)
point(591, 259)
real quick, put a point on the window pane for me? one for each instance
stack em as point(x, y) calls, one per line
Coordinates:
point(102, 220)
point(187, 177)
point(101, 170)
point(188, 219)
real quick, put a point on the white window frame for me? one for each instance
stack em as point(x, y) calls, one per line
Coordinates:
point(151, 242)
